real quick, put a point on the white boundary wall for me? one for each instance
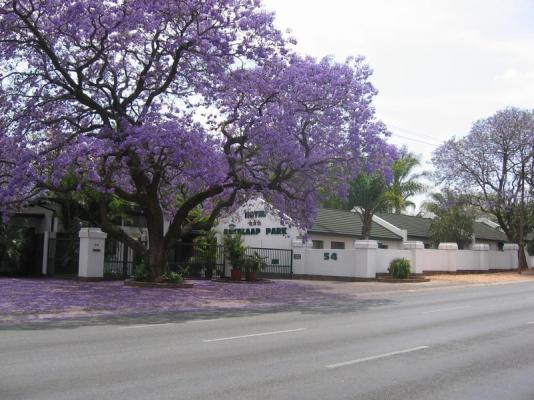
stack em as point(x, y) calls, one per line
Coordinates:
point(365, 260)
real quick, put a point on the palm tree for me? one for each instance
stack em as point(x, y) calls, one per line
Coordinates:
point(405, 183)
point(368, 193)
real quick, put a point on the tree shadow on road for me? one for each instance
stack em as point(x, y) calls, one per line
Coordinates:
point(322, 304)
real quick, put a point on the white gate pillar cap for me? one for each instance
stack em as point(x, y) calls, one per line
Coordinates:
point(413, 245)
point(92, 233)
point(365, 244)
point(448, 246)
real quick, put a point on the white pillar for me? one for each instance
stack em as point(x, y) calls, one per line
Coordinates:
point(365, 258)
point(452, 250)
point(483, 259)
point(299, 257)
point(512, 250)
point(91, 261)
point(415, 248)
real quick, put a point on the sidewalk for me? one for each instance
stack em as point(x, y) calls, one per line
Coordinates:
point(359, 289)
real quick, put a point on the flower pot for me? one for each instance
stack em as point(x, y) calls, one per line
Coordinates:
point(236, 274)
point(251, 276)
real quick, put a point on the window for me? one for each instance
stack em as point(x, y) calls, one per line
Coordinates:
point(382, 245)
point(337, 245)
point(317, 244)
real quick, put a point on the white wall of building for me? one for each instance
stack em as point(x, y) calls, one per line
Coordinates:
point(259, 231)
point(349, 241)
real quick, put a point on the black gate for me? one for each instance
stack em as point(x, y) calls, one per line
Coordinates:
point(195, 260)
point(279, 262)
point(119, 260)
point(63, 254)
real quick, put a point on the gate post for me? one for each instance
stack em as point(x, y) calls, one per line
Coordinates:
point(91, 261)
point(365, 262)
point(44, 263)
point(415, 248)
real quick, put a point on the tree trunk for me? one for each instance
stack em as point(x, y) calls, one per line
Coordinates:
point(157, 251)
point(522, 258)
point(156, 258)
point(367, 221)
point(522, 264)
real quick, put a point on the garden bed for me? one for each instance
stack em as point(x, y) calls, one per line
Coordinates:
point(161, 285)
point(228, 280)
point(414, 279)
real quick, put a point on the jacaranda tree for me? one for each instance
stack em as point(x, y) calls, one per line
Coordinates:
point(494, 167)
point(181, 108)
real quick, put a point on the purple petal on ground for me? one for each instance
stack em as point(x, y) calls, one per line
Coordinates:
point(36, 299)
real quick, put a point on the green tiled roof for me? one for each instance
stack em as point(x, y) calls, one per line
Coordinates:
point(486, 232)
point(419, 227)
point(346, 223)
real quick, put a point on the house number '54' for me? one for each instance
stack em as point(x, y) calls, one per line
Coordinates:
point(330, 256)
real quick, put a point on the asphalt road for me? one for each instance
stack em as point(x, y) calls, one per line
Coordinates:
point(456, 343)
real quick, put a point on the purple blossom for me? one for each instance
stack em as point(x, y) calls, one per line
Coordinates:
point(183, 108)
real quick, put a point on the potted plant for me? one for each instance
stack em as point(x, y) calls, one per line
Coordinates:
point(235, 250)
point(253, 264)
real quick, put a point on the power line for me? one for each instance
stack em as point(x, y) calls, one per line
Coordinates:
point(414, 139)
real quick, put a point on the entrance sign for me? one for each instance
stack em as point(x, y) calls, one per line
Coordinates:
point(276, 231)
point(255, 231)
point(255, 214)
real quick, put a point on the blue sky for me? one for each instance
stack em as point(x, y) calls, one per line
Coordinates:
point(438, 65)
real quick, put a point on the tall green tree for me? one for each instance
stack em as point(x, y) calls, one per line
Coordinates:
point(453, 220)
point(406, 183)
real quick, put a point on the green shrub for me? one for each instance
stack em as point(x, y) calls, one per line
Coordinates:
point(172, 277)
point(254, 263)
point(141, 272)
point(399, 268)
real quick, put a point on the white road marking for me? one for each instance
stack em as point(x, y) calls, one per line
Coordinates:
point(196, 321)
point(530, 323)
point(253, 335)
point(446, 309)
point(360, 360)
point(144, 326)
point(529, 298)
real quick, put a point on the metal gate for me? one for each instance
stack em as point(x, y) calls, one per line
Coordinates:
point(119, 260)
point(63, 254)
point(279, 262)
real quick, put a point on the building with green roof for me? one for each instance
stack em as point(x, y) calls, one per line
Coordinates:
point(338, 229)
point(418, 229)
